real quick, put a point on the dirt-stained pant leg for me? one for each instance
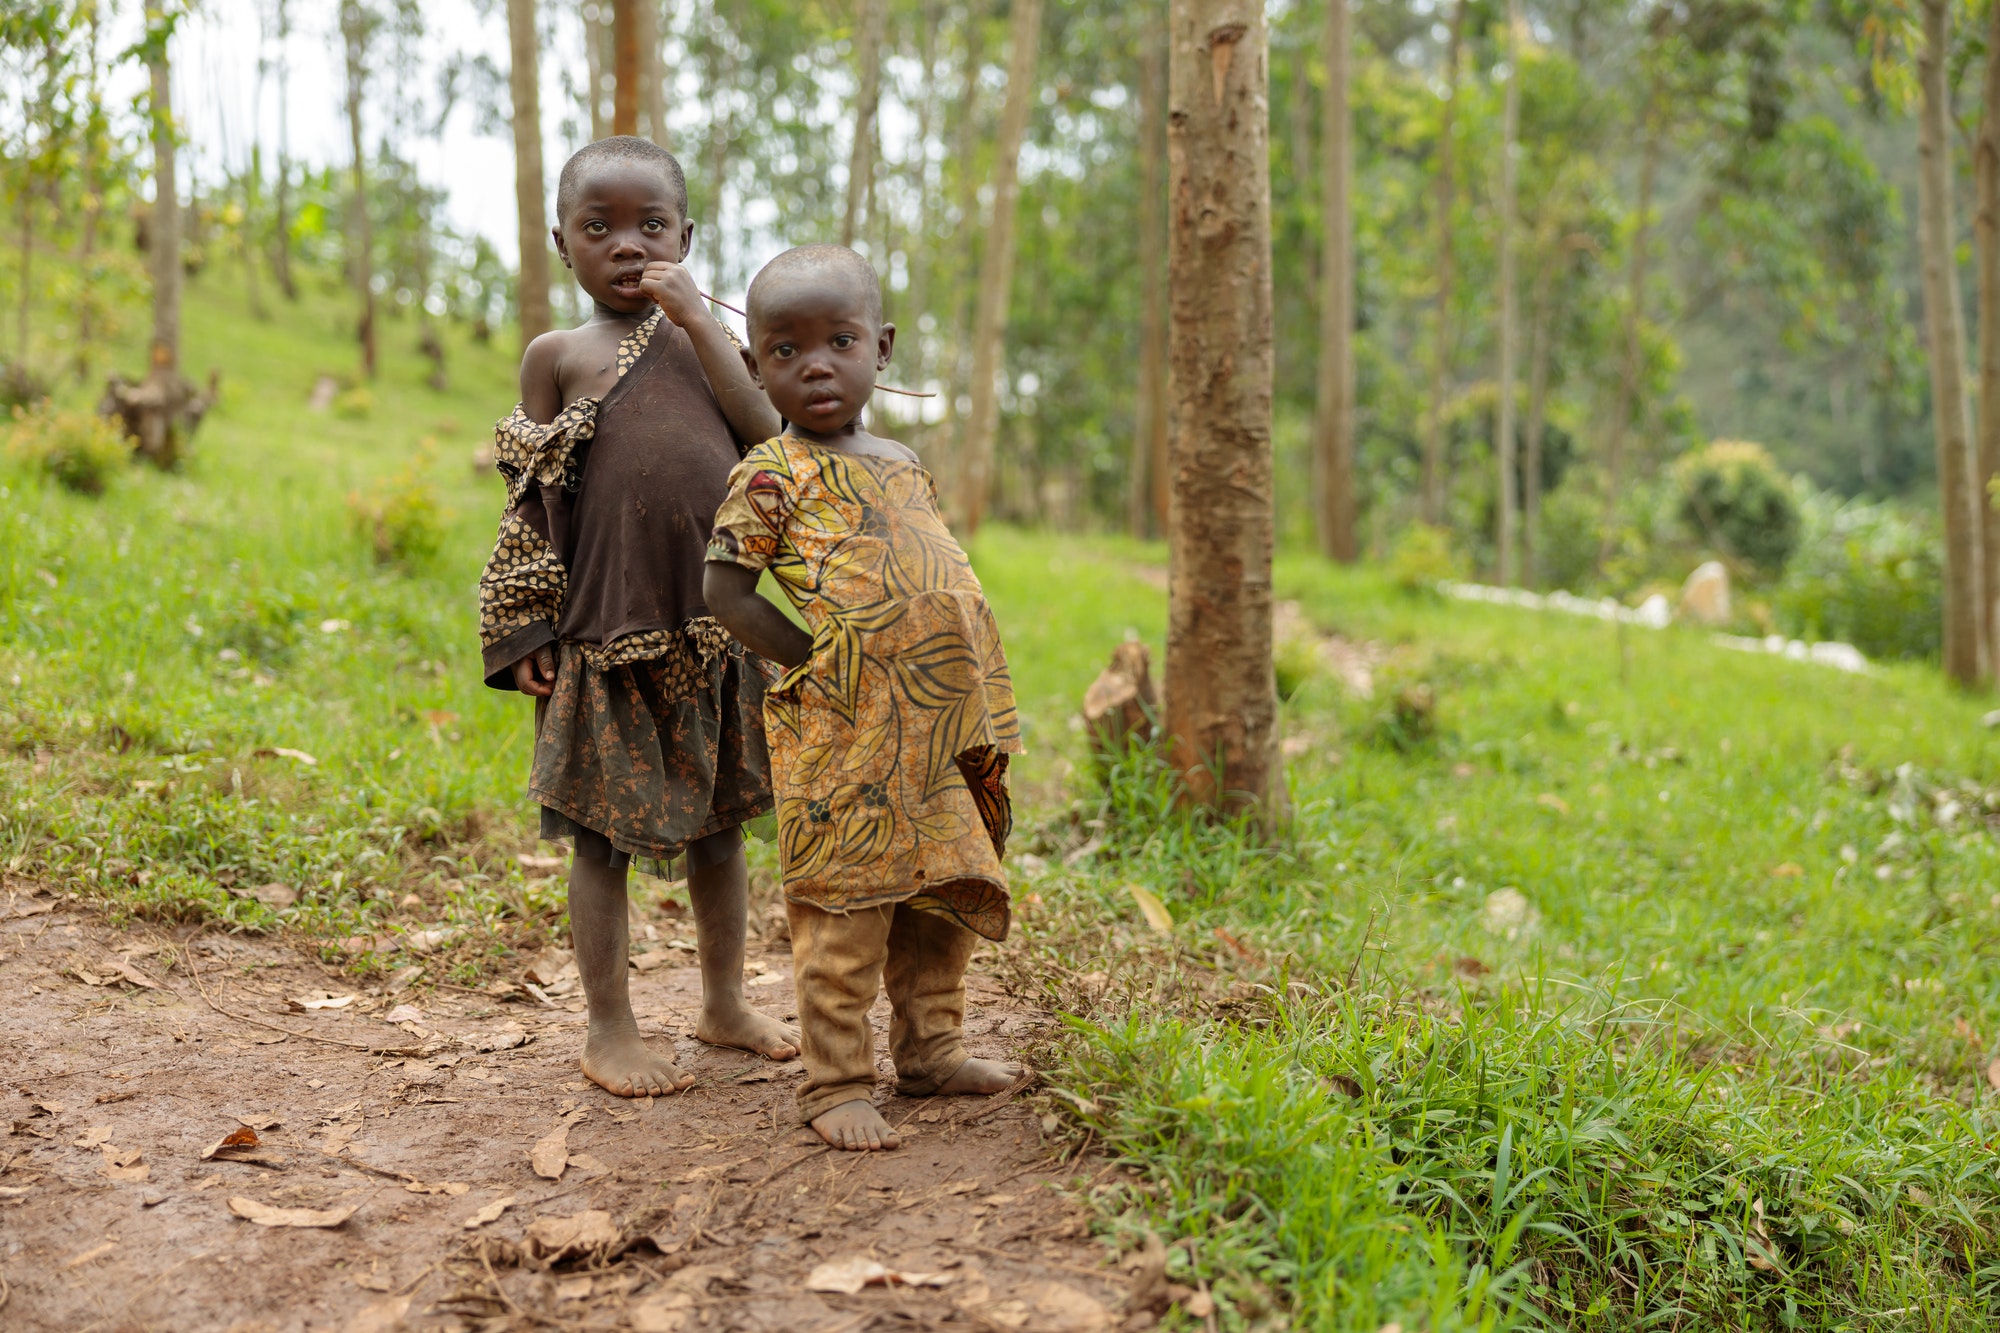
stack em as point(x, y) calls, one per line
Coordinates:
point(925, 977)
point(840, 962)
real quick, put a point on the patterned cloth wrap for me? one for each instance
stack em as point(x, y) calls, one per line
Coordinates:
point(652, 738)
point(889, 744)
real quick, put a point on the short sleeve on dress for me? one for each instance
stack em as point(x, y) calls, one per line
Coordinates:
point(750, 524)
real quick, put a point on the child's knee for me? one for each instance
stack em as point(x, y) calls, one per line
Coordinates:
point(593, 848)
point(715, 849)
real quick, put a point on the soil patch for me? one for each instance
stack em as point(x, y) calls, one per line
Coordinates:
point(710, 1210)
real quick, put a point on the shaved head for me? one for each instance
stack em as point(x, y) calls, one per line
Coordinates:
point(618, 148)
point(825, 269)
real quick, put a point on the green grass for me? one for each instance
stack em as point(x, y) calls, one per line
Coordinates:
point(1651, 989)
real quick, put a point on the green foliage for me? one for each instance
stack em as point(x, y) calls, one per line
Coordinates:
point(1866, 575)
point(403, 518)
point(1568, 538)
point(1424, 557)
point(78, 450)
point(1732, 496)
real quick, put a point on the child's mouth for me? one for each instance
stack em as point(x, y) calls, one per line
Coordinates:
point(626, 281)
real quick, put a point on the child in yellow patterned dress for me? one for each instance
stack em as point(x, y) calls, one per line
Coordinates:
point(890, 731)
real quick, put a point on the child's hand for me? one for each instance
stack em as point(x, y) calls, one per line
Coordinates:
point(536, 673)
point(672, 287)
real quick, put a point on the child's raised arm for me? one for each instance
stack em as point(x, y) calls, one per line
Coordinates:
point(731, 594)
point(750, 414)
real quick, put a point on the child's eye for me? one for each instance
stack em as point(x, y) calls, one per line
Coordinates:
point(783, 351)
point(655, 225)
point(843, 341)
point(595, 228)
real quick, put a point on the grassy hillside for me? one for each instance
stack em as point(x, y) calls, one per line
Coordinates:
point(1627, 983)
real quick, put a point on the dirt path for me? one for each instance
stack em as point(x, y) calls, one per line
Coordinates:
point(712, 1209)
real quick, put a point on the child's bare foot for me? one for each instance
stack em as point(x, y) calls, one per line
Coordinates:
point(621, 1064)
point(856, 1127)
point(745, 1029)
point(982, 1078)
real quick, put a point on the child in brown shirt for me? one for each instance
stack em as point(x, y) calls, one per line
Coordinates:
point(649, 736)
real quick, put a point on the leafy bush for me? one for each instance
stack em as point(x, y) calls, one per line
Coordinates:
point(1568, 537)
point(1423, 558)
point(1867, 575)
point(404, 517)
point(1732, 495)
point(77, 450)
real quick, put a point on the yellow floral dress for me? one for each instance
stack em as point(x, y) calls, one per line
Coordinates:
point(889, 744)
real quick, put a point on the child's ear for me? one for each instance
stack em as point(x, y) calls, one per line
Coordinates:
point(562, 251)
point(885, 346)
point(750, 364)
point(687, 241)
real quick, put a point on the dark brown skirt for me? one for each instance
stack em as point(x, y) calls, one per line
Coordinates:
point(617, 753)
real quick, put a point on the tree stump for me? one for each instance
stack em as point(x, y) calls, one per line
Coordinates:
point(160, 413)
point(1121, 707)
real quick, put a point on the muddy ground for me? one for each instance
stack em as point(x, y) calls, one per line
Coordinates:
point(126, 1054)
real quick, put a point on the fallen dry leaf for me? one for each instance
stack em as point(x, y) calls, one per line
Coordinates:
point(404, 1013)
point(338, 1138)
point(588, 1232)
point(266, 1216)
point(13, 1191)
point(241, 1137)
point(1157, 916)
point(551, 1155)
point(323, 1000)
point(490, 1213)
point(261, 1123)
point(47, 1108)
point(124, 1164)
point(286, 751)
point(848, 1276)
point(91, 1137)
point(506, 1039)
point(451, 1187)
point(765, 979)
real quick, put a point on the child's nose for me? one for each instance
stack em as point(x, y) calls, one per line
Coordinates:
point(627, 244)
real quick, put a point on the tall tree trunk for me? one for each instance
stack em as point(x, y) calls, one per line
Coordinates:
point(282, 222)
point(922, 251)
point(1503, 415)
point(625, 66)
point(652, 74)
point(870, 22)
point(1626, 405)
point(1333, 390)
point(1531, 435)
point(1431, 501)
point(93, 199)
point(1946, 324)
point(26, 287)
point(163, 231)
point(1221, 690)
point(996, 266)
point(1986, 230)
point(357, 27)
point(595, 38)
point(1147, 503)
point(530, 203)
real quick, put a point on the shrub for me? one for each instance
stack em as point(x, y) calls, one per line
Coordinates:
point(77, 450)
point(1732, 495)
point(1867, 575)
point(403, 518)
point(1423, 558)
point(1567, 538)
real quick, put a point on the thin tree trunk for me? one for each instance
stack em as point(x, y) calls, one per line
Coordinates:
point(624, 67)
point(1146, 512)
point(93, 201)
point(870, 22)
point(652, 74)
point(163, 231)
point(357, 29)
point(1503, 415)
point(965, 236)
point(1431, 501)
point(27, 289)
point(1333, 415)
point(1986, 230)
point(1531, 435)
point(530, 203)
point(283, 202)
point(1221, 690)
point(922, 255)
point(594, 35)
point(1626, 405)
point(1947, 350)
point(996, 267)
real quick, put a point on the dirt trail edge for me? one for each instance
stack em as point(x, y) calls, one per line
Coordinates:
point(711, 1210)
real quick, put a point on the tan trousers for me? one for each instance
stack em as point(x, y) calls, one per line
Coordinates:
point(839, 963)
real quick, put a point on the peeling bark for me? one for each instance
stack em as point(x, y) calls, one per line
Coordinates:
point(1220, 687)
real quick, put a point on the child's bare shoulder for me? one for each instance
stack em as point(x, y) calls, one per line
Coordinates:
point(563, 365)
